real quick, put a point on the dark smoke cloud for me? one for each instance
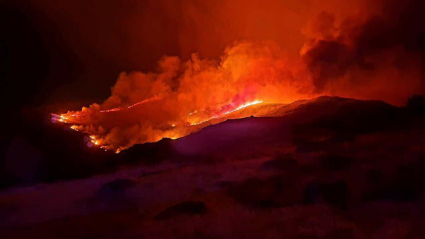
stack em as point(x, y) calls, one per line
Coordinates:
point(365, 51)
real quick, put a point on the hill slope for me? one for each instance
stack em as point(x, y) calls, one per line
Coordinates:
point(324, 168)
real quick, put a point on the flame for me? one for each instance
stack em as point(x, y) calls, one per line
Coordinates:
point(321, 48)
point(184, 97)
point(130, 106)
point(72, 117)
point(245, 105)
point(74, 127)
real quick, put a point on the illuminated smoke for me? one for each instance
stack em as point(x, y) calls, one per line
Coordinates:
point(184, 96)
point(380, 56)
point(368, 50)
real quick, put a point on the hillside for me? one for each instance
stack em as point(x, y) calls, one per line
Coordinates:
point(324, 168)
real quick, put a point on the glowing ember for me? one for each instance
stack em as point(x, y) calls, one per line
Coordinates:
point(74, 127)
point(337, 53)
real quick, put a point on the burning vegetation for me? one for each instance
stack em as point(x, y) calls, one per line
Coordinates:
point(184, 97)
point(373, 54)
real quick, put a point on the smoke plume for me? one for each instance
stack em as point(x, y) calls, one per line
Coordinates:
point(367, 50)
point(377, 57)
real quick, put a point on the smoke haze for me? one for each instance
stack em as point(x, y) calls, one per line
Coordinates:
point(215, 56)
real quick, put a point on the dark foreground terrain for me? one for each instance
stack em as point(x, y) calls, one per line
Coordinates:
point(325, 168)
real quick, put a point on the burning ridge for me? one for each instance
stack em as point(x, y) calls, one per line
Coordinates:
point(376, 56)
point(183, 97)
point(76, 119)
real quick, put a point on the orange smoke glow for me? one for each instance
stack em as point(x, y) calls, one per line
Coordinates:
point(361, 49)
point(96, 140)
point(184, 97)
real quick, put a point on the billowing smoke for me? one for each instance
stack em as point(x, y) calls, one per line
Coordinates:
point(181, 95)
point(380, 56)
point(374, 52)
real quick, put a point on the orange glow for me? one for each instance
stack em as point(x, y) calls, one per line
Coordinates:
point(184, 97)
point(130, 106)
point(337, 55)
point(97, 141)
point(245, 105)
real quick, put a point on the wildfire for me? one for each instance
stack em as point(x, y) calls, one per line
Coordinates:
point(74, 127)
point(244, 106)
point(184, 97)
point(227, 112)
point(337, 54)
point(131, 106)
point(94, 140)
point(64, 118)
